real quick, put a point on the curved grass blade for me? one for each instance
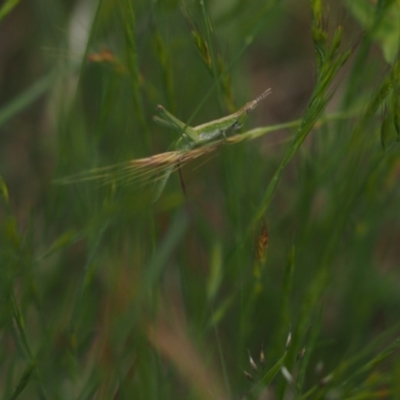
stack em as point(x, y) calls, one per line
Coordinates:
point(24, 99)
point(24, 380)
point(267, 378)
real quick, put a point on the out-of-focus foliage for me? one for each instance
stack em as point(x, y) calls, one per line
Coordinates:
point(268, 268)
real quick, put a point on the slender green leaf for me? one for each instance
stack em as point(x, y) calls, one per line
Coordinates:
point(7, 7)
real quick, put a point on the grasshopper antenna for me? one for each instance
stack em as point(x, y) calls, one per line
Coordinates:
point(253, 104)
point(263, 95)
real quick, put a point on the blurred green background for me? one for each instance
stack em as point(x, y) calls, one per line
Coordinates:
point(284, 247)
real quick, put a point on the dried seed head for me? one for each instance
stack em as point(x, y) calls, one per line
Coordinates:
point(252, 363)
point(248, 376)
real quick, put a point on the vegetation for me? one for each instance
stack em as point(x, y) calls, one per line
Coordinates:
point(268, 266)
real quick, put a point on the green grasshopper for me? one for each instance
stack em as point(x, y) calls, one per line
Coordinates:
point(191, 137)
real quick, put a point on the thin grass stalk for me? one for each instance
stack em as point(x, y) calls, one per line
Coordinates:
point(132, 60)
